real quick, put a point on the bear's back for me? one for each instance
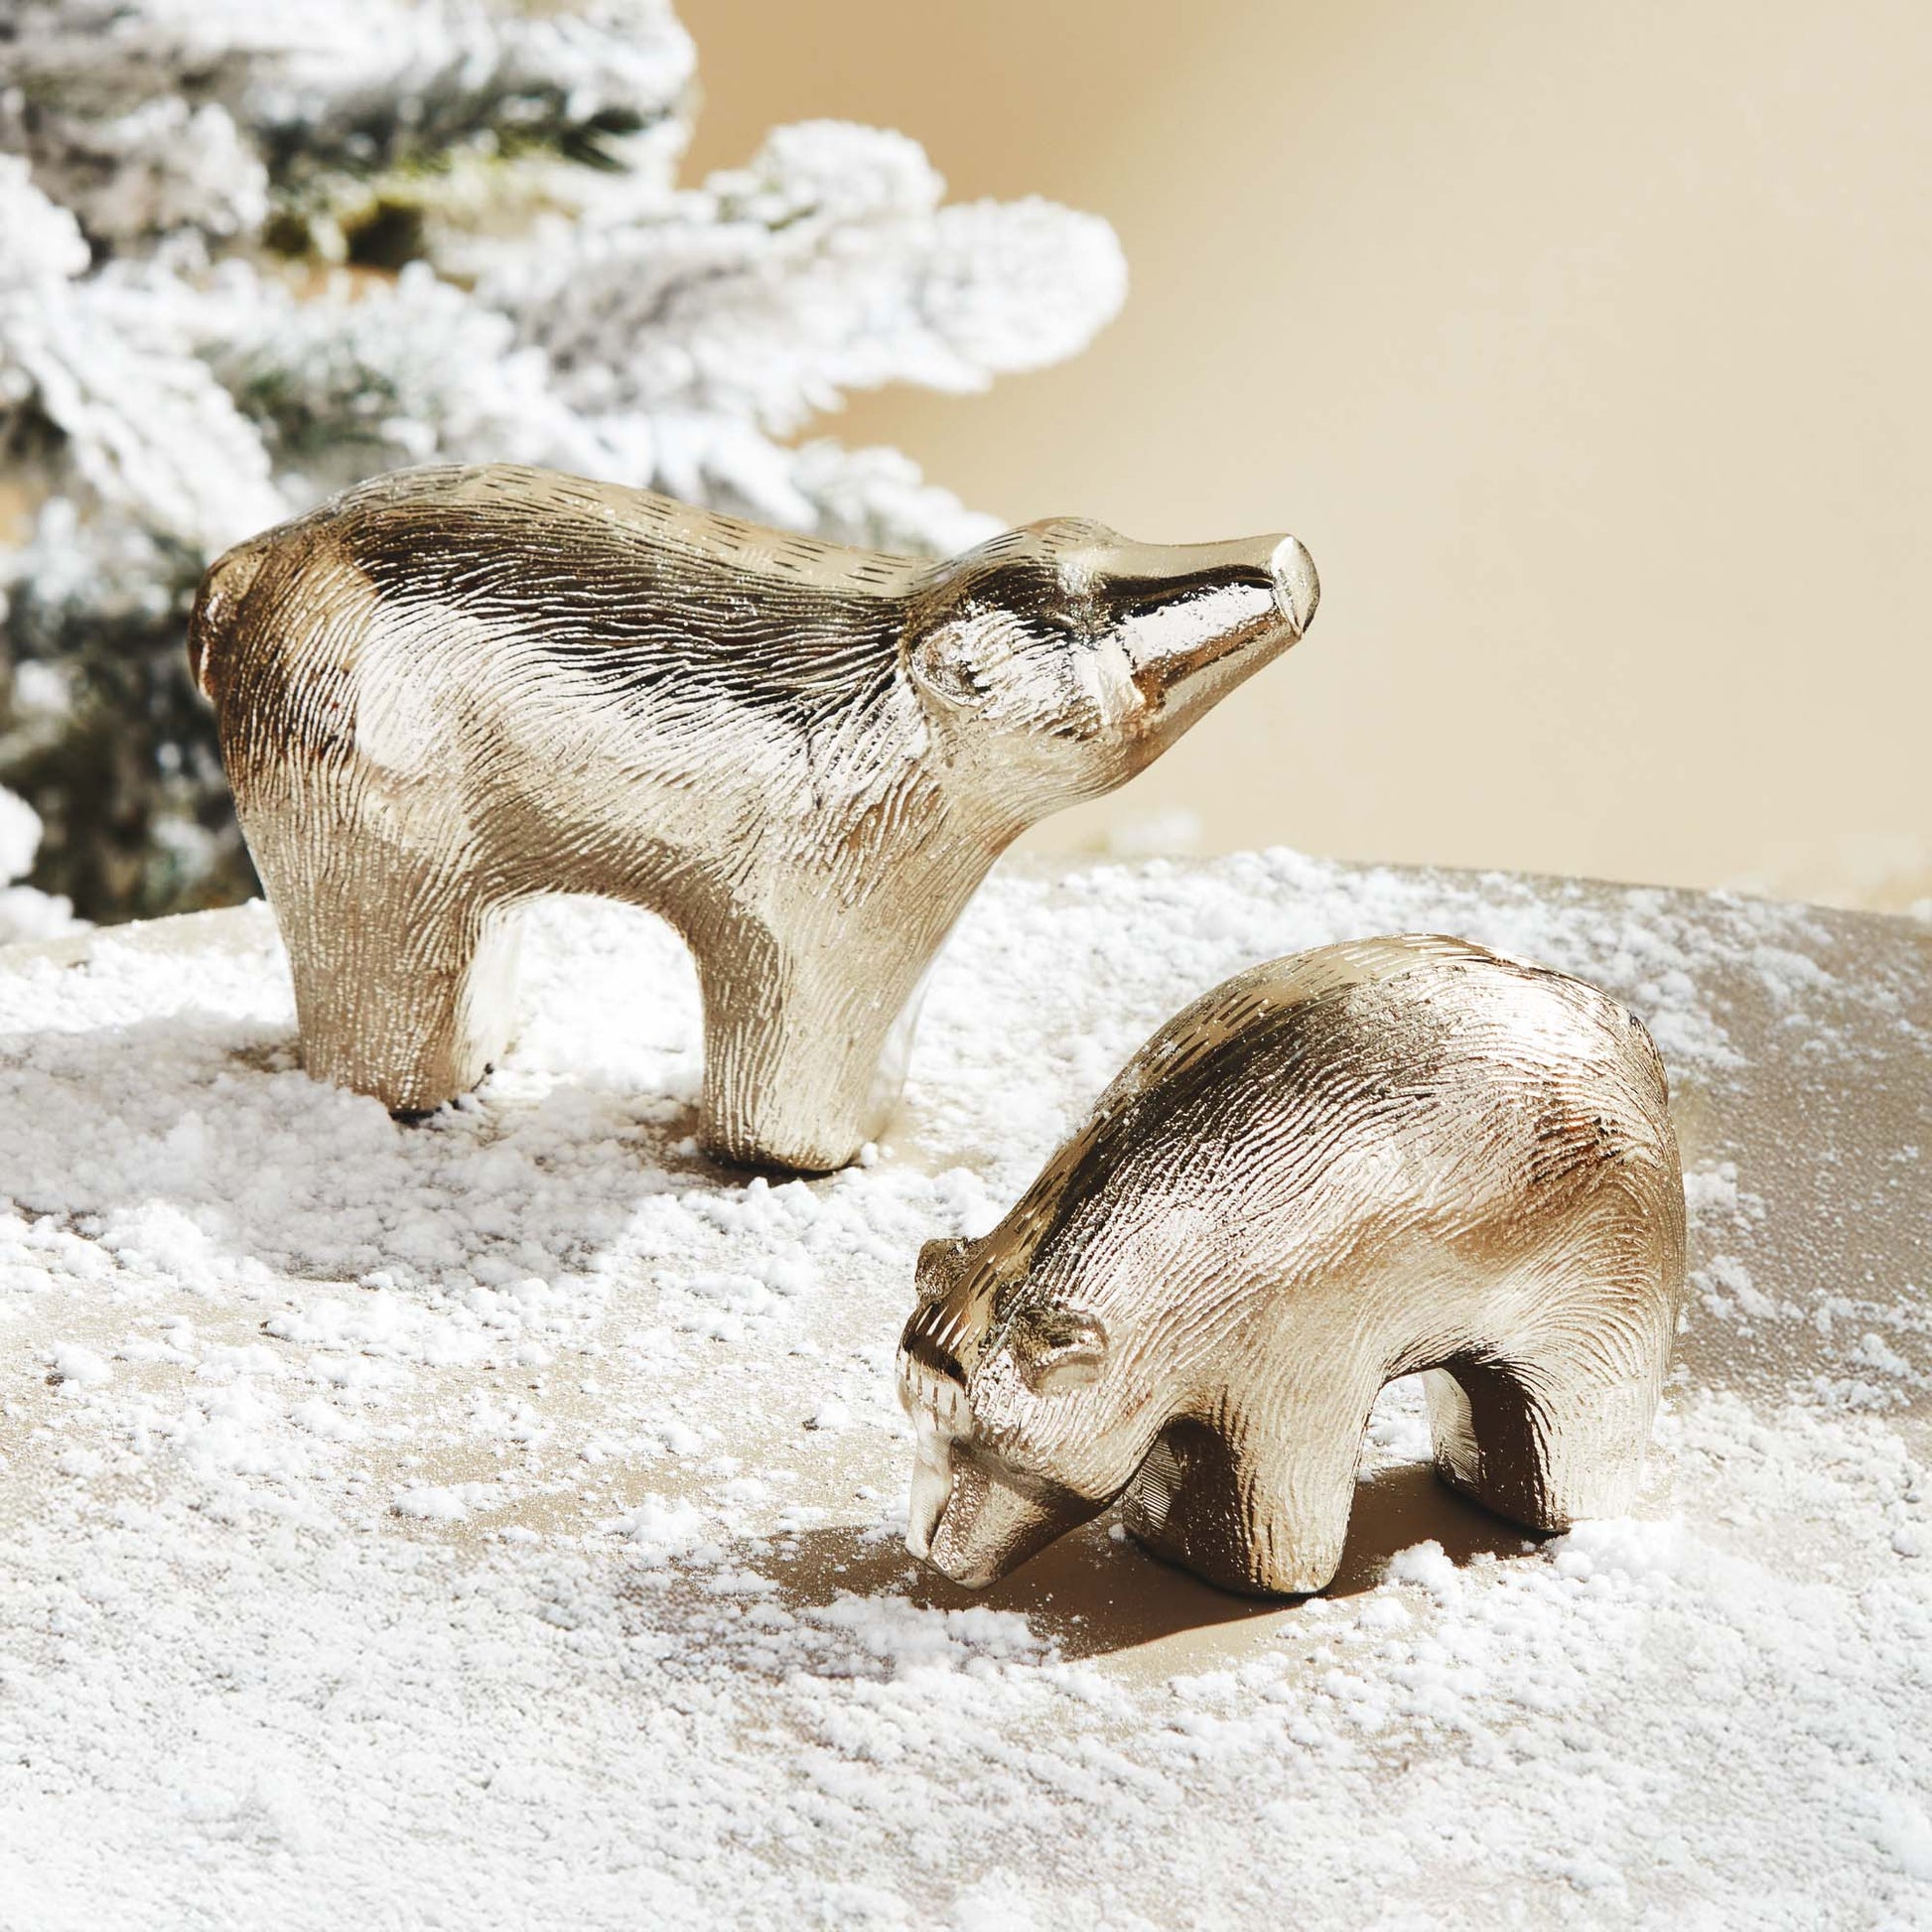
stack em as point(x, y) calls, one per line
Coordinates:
point(646, 594)
point(1381, 1076)
point(528, 623)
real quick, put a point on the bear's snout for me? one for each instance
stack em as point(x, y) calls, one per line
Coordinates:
point(1298, 590)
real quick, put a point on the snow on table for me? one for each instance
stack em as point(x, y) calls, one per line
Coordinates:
point(495, 1522)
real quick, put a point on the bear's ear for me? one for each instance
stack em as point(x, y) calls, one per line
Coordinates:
point(940, 1264)
point(1056, 1347)
point(958, 661)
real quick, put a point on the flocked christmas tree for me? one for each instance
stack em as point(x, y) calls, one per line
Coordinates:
point(253, 251)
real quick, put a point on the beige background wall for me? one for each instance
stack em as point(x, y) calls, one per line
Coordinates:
point(1585, 346)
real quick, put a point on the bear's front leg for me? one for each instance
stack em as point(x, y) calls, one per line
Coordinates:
point(804, 1053)
point(1258, 1502)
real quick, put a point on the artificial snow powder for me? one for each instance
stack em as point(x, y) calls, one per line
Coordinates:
point(496, 1522)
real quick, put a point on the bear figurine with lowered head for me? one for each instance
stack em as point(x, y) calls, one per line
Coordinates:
point(450, 690)
point(1364, 1162)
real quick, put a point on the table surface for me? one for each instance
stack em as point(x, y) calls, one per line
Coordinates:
point(496, 1521)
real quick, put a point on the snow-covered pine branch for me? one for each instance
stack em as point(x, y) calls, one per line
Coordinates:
point(253, 251)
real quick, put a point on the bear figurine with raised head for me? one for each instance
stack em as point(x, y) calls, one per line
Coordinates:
point(451, 689)
point(1357, 1163)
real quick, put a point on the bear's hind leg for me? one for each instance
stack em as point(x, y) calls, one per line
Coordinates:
point(1547, 1420)
point(403, 971)
point(1543, 1443)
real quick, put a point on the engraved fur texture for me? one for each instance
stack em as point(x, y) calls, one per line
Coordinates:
point(451, 689)
point(1356, 1163)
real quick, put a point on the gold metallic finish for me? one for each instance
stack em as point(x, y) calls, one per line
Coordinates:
point(453, 689)
point(1364, 1162)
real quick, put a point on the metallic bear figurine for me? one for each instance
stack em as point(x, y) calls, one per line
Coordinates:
point(451, 689)
point(1353, 1165)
